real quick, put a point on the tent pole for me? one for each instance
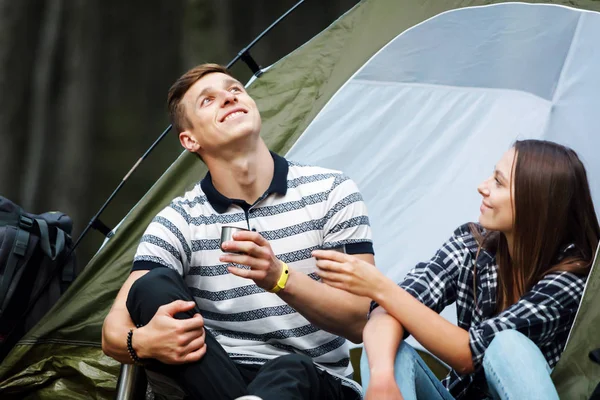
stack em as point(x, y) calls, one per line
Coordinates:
point(245, 56)
point(95, 222)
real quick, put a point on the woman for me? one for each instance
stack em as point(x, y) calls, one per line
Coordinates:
point(517, 279)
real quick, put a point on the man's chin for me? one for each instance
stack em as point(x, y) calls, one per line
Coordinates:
point(236, 138)
point(242, 128)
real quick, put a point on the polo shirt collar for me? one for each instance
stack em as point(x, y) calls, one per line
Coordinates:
point(221, 203)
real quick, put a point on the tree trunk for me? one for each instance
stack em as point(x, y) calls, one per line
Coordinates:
point(76, 112)
point(41, 106)
point(19, 21)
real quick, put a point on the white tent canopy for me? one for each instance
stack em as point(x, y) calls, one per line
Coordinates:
point(424, 121)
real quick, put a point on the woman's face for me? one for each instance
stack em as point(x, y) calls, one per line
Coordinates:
point(497, 208)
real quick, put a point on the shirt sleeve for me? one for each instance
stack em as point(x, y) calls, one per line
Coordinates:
point(346, 218)
point(543, 313)
point(166, 242)
point(434, 283)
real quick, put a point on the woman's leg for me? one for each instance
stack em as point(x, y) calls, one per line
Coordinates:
point(515, 368)
point(413, 376)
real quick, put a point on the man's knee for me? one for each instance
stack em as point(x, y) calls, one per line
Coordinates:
point(296, 362)
point(294, 359)
point(154, 281)
point(157, 287)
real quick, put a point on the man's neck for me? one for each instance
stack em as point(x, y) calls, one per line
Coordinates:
point(245, 174)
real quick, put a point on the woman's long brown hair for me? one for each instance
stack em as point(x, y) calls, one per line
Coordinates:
point(553, 209)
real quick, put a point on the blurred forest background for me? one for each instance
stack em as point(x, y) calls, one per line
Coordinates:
point(83, 88)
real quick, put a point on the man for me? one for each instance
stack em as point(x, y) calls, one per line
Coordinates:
point(250, 317)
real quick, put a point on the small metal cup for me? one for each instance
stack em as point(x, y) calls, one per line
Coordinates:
point(227, 234)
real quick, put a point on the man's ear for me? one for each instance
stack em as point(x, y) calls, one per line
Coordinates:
point(188, 141)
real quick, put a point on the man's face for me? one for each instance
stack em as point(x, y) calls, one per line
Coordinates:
point(221, 113)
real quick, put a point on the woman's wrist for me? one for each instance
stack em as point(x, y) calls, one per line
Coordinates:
point(381, 294)
point(382, 370)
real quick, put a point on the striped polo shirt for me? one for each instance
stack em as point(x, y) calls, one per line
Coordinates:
point(305, 208)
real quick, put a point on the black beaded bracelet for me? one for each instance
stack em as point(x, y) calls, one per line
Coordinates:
point(132, 353)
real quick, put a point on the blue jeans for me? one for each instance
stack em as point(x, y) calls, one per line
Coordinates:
point(514, 366)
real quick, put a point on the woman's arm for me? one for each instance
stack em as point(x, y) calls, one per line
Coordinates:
point(430, 287)
point(445, 340)
point(382, 337)
point(545, 315)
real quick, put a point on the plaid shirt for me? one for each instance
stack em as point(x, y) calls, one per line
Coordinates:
point(544, 314)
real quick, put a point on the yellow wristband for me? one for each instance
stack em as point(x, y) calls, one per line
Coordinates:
point(285, 272)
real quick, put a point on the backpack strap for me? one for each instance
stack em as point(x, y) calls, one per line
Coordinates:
point(45, 240)
point(68, 270)
point(19, 249)
point(67, 275)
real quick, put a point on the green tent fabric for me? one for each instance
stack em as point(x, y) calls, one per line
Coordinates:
point(61, 357)
point(576, 375)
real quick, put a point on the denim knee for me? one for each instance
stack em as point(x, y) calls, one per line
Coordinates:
point(516, 368)
point(509, 343)
point(504, 344)
point(406, 355)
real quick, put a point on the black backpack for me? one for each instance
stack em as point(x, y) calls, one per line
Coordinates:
point(36, 267)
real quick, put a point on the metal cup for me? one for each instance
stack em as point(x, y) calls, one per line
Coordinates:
point(227, 234)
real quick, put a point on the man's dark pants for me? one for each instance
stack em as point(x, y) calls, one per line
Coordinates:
point(216, 376)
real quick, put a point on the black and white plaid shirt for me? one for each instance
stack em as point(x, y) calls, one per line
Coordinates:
point(544, 314)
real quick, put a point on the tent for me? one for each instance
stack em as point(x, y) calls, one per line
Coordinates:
point(420, 99)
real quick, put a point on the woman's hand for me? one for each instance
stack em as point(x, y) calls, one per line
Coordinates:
point(349, 273)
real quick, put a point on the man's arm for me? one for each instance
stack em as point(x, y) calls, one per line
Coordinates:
point(169, 340)
point(118, 323)
point(331, 309)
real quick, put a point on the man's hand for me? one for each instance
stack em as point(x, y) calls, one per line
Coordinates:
point(383, 387)
point(265, 268)
point(171, 340)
